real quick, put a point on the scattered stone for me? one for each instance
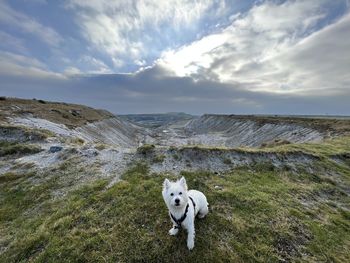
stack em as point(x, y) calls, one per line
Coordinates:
point(90, 153)
point(75, 113)
point(218, 187)
point(54, 149)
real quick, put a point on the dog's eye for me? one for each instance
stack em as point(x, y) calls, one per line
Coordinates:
point(172, 194)
point(180, 193)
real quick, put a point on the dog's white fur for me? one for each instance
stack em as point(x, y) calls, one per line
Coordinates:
point(178, 190)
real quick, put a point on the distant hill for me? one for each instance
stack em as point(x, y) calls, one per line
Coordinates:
point(157, 120)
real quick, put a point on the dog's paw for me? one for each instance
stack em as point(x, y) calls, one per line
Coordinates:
point(190, 244)
point(201, 216)
point(173, 231)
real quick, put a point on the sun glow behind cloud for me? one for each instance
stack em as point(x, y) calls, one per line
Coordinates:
point(242, 54)
point(261, 49)
point(126, 30)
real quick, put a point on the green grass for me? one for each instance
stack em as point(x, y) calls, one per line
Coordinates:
point(101, 146)
point(326, 148)
point(227, 161)
point(145, 149)
point(336, 147)
point(71, 115)
point(158, 158)
point(73, 140)
point(26, 134)
point(257, 214)
point(14, 148)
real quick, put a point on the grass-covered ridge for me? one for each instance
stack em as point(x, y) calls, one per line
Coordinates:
point(326, 148)
point(71, 115)
point(258, 214)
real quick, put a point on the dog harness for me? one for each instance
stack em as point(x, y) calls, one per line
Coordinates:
point(181, 219)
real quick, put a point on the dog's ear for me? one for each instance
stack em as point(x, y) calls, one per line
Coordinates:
point(183, 182)
point(166, 184)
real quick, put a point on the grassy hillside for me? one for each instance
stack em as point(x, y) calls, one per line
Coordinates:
point(259, 213)
point(72, 115)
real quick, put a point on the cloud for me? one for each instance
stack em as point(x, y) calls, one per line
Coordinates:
point(36, 1)
point(137, 30)
point(14, 66)
point(10, 42)
point(319, 62)
point(273, 47)
point(189, 59)
point(13, 18)
point(71, 71)
point(93, 65)
point(154, 90)
point(279, 57)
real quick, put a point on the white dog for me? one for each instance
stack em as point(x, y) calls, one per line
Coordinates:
point(183, 207)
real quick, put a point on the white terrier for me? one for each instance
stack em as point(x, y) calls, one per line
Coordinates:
point(183, 207)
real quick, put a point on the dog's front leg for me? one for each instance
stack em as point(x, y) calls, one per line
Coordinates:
point(190, 236)
point(174, 230)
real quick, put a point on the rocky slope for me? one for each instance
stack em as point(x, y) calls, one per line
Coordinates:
point(109, 144)
point(65, 132)
point(231, 131)
point(248, 131)
point(69, 121)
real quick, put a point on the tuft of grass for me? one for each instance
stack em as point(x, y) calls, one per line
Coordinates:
point(176, 157)
point(146, 148)
point(14, 148)
point(274, 143)
point(172, 148)
point(100, 146)
point(158, 158)
point(76, 140)
point(227, 161)
point(25, 134)
point(10, 176)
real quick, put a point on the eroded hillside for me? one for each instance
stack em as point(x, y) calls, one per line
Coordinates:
point(250, 131)
point(182, 142)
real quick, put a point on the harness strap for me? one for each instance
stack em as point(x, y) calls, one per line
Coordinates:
point(180, 220)
point(194, 204)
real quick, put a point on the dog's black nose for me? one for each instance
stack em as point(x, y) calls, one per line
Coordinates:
point(177, 200)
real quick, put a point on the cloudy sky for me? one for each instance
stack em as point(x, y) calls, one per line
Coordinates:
point(200, 56)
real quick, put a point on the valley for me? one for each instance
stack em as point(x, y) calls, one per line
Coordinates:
point(64, 168)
